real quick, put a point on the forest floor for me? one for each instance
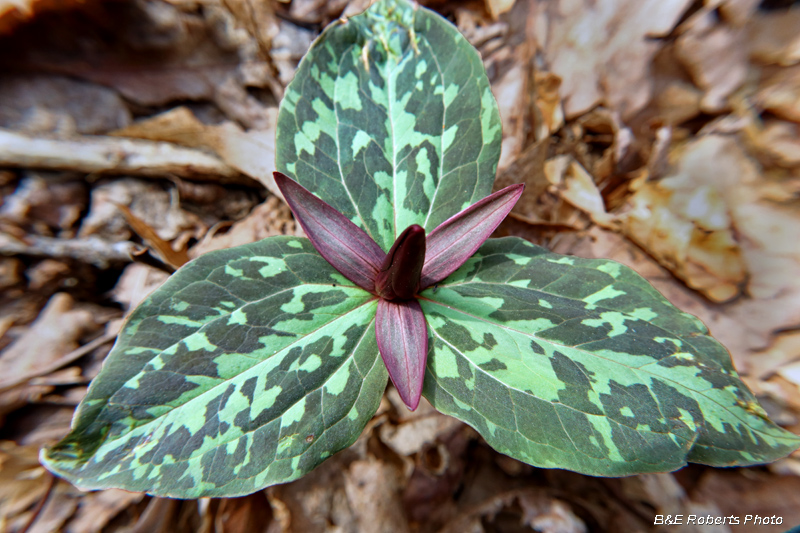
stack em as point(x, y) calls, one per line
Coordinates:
point(137, 134)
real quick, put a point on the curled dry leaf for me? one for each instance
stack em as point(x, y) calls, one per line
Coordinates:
point(547, 100)
point(577, 187)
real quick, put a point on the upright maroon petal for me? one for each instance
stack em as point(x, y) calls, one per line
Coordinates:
point(343, 244)
point(403, 343)
point(457, 238)
point(401, 269)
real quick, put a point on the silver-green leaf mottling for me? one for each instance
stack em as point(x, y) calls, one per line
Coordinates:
point(564, 362)
point(248, 367)
point(391, 120)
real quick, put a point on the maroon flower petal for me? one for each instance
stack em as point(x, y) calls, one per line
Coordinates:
point(343, 244)
point(400, 272)
point(457, 238)
point(403, 343)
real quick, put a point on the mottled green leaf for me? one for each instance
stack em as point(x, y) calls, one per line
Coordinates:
point(391, 120)
point(247, 368)
point(573, 363)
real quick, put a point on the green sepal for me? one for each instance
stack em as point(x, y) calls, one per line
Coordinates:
point(573, 363)
point(391, 120)
point(247, 368)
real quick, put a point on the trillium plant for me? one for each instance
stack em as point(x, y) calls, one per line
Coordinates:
point(413, 264)
point(252, 365)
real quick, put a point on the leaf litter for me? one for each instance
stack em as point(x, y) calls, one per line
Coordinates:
point(661, 135)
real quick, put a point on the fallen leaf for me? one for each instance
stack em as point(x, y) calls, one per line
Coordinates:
point(577, 187)
point(174, 258)
point(23, 481)
point(136, 283)
point(251, 152)
point(272, 217)
point(773, 37)
point(498, 7)
point(372, 489)
point(60, 506)
point(749, 492)
point(54, 334)
point(148, 201)
point(97, 509)
point(716, 57)
point(35, 103)
point(602, 50)
point(779, 93)
point(778, 143)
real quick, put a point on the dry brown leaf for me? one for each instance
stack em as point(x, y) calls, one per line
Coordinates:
point(773, 37)
point(251, 152)
point(55, 104)
point(685, 220)
point(678, 102)
point(292, 42)
point(577, 187)
point(373, 488)
point(536, 509)
point(23, 481)
point(716, 57)
point(602, 50)
point(738, 12)
point(97, 509)
point(780, 93)
point(45, 203)
point(16, 12)
point(498, 7)
point(778, 143)
point(54, 334)
point(783, 350)
point(740, 492)
point(248, 514)
point(174, 258)
point(136, 283)
point(272, 217)
point(511, 92)
point(148, 201)
point(412, 435)
point(547, 100)
point(60, 506)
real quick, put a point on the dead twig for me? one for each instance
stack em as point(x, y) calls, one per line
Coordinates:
point(93, 250)
point(113, 155)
